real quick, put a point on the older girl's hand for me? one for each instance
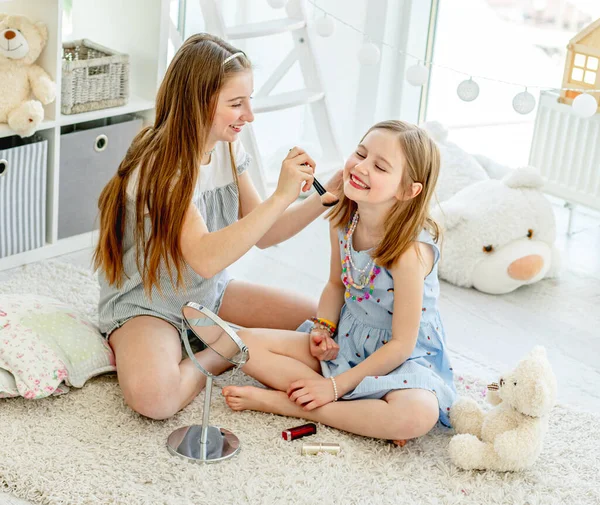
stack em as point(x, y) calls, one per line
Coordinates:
point(296, 175)
point(311, 393)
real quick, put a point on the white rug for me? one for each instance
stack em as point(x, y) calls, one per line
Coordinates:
point(87, 447)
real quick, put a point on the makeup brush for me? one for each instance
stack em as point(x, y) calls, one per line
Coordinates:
point(327, 199)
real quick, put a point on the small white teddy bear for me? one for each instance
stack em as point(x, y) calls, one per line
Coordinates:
point(21, 43)
point(510, 436)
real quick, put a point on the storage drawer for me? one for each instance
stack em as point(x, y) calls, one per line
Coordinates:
point(22, 194)
point(89, 156)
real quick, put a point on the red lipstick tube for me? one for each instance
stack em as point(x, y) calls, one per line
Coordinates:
point(299, 431)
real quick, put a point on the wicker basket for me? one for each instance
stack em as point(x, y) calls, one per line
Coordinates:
point(93, 77)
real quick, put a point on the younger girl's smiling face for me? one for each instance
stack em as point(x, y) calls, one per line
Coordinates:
point(373, 172)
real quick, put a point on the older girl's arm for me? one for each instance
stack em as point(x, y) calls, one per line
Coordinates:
point(294, 219)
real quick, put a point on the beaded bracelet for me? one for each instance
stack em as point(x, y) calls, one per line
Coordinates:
point(335, 390)
point(324, 323)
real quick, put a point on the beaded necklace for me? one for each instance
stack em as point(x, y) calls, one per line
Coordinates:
point(348, 263)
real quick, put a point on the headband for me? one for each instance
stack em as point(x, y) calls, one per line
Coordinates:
point(229, 58)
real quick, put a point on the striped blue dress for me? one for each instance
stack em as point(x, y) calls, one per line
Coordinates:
point(365, 326)
point(216, 197)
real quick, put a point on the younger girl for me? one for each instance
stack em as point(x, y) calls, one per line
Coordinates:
point(378, 339)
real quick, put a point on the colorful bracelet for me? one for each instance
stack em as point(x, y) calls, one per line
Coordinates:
point(324, 323)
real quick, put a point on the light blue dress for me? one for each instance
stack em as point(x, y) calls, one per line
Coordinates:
point(365, 326)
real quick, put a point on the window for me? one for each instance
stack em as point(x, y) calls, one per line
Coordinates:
point(517, 41)
point(584, 69)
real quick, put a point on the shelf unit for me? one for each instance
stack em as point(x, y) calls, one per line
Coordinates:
point(139, 28)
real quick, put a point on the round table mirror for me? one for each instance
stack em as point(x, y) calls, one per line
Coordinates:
point(222, 348)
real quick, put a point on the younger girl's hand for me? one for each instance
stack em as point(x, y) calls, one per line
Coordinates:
point(311, 393)
point(322, 346)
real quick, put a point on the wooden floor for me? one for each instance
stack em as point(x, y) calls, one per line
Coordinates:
point(486, 334)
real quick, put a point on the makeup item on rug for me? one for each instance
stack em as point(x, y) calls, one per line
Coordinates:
point(299, 431)
point(319, 448)
point(327, 199)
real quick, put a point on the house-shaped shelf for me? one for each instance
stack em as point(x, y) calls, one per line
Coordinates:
point(582, 64)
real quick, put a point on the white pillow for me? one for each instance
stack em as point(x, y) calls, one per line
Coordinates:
point(8, 386)
point(44, 342)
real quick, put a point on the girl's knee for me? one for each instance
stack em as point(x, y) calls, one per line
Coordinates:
point(156, 399)
point(417, 415)
point(424, 420)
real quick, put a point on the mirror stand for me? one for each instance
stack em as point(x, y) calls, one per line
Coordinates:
point(203, 443)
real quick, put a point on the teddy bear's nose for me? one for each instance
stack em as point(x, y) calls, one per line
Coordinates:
point(526, 268)
point(501, 382)
point(9, 35)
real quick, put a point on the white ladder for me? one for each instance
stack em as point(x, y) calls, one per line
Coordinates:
point(313, 94)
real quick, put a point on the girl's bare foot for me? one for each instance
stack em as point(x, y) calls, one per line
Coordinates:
point(400, 443)
point(253, 398)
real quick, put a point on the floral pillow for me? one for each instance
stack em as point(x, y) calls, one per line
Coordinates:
point(45, 344)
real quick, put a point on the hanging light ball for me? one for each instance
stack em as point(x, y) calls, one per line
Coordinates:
point(585, 105)
point(468, 90)
point(325, 26)
point(276, 4)
point(369, 54)
point(523, 102)
point(417, 75)
point(293, 8)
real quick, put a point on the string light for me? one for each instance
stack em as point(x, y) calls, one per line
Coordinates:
point(472, 77)
point(468, 90)
point(523, 102)
point(585, 105)
point(325, 26)
point(369, 54)
point(417, 75)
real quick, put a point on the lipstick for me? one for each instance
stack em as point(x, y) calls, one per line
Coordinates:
point(299, 431)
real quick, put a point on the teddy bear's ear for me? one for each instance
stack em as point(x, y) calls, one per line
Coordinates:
point(524, 177)
point(436, 130)
point(449, 214)
point(542, 400)
point(43, 29)
point(539, 351)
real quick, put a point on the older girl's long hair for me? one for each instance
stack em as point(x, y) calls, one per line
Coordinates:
point(168, 155)
point(407, 217)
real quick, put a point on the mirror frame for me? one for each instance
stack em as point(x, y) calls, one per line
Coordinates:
point(214, 317)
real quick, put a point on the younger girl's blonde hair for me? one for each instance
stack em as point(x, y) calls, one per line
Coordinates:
point(407, 217)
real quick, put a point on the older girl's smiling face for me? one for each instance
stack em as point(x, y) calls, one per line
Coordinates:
point(373, 172)
point(234, 109)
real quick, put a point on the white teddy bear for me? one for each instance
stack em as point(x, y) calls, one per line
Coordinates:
point(498, 227)
point(21, 43)
point(510, 436)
